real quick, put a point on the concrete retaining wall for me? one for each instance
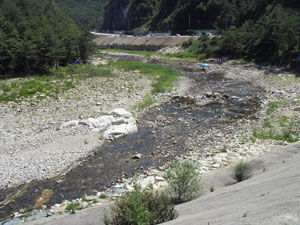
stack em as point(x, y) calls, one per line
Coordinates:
point(140, 43)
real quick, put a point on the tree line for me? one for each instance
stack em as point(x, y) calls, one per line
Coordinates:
point(262, 31)
point(86, 13)
point(35, 36)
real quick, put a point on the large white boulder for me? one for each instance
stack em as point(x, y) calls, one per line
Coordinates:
point(120, 130)
point(118, 123)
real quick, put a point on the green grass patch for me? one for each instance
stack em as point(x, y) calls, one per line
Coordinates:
point(282, 129)
point(39, 87)
point(147, 101)
point(186, 55)
point(137, 52)
point(272, 107)
point(164, 76)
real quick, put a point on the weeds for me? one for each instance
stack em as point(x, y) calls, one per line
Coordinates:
point(147, 101)
point(164, 76)
point(141, 207)
point(73, 207)
point(272, 107)
point(281, 129)
point(102, 196)
point(184, 181)
point(40, 87)
point(242, 171)
point(137, 52)
point(224, 149)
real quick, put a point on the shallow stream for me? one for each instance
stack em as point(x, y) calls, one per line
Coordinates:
point(162, 133)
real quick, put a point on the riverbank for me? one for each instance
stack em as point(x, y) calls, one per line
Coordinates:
point(248, 87)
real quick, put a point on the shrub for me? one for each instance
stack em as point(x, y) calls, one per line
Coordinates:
point(184, 181)
point(242, 171)
point(72, 207)
point(141, 208)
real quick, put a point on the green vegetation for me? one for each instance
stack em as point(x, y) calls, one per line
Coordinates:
point(164, 76)
point(287, 133)
point(272, 107)
point(36, 36)
point(282, 128)
point(102, 196)
point(40, 87)
point(184, 181)
point(266, 32)
point(73, 207)
point(87, 14)
point(137, 52)
point(147, 101)
point(141, 207)
point(26, 215)
point(242, 171)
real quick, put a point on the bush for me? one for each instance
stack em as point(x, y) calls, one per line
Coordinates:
point(242, 171)
point(141, 208)
point(184, 182)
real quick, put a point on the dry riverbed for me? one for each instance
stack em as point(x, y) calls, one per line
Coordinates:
point(33, 148)
point(32, 145)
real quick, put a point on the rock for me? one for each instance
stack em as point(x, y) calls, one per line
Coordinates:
point(216, 165)
point(13, 222)
point(184, 99)
point(225, 96)
point(72, 123)
point(118, 189)
point(120, 130)
point(129, 188)
point(59, 208)
point(120, 112)
point(158, 178)
point(209, 94)
point(84, 204)
point(100, 123)
point(217, 95)
point(137, 156)
point(146, 182)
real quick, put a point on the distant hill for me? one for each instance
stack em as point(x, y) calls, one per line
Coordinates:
point(182, 15)
point(36, 36)
point(86, 13)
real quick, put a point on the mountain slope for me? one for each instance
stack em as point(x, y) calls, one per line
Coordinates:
point(87, 13)
point(35, 36)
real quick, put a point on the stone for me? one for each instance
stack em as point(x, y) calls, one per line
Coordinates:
point(120, 130)
point(146, 182)
point(158, 178)
point(118, 190)
point(13, 222)
point(72, 123)
point(120, 112)
point(209, 94)
point(137, 156)
point(84, 204)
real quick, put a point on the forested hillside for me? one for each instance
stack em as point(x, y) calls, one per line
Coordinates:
point(35, 36)
point(263, 31)
point(256, 30)
point(87, 13)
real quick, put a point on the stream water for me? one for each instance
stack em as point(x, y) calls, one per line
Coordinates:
point(162, 133)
